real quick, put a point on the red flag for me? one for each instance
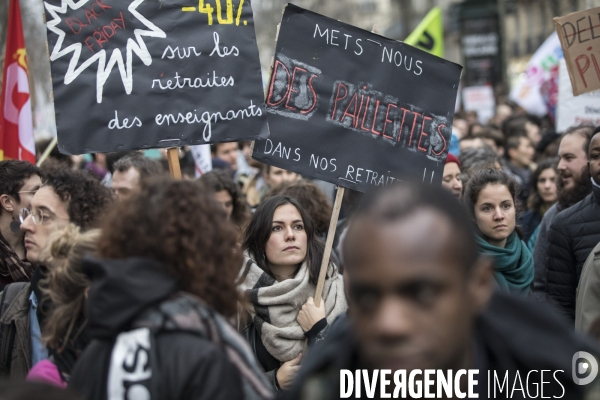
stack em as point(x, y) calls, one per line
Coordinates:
point(16, 125)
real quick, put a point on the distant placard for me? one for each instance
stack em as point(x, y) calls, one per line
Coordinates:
point(579, 35)
point(480, 99)
point(571, 111)
point(202, 159)
point(354, 108)
point(535, 90)
point(137, 74)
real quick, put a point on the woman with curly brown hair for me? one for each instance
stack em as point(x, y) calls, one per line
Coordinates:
point(158, 301)
point(278, 280)
point(228, 194)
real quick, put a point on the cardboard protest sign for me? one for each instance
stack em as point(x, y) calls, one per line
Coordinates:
point(354, 108)
point(579, 35)
point(136, 74)
point(571, 111)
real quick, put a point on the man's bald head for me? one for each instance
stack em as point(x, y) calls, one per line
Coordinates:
point(395, 204)
point(415, 282)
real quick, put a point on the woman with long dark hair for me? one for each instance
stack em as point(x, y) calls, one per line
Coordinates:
point(491, 198)
point(227, 193)
point(543, 195)
point(278, 281)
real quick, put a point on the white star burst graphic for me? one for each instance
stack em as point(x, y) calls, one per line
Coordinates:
point(138, 46)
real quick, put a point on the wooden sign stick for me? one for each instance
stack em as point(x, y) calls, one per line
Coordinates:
point(174, 168)
point(48, 150)
point(337, 205)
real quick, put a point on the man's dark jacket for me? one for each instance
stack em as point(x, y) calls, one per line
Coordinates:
point(513, 334)
point(188, 366)
point(573, 234)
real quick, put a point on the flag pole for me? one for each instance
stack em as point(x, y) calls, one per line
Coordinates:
point(48, 150)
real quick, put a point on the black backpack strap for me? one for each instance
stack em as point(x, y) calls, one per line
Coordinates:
point(8, 330)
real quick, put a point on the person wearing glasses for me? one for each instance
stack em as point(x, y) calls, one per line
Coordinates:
point(65, 196)
point(19, 180)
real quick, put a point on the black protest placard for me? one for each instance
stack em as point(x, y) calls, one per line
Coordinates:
point(354, 108)
point(136, 74)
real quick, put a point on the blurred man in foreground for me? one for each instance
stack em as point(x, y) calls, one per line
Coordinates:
point(421, 299)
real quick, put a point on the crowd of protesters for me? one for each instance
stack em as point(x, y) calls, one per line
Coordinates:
point(119, 282)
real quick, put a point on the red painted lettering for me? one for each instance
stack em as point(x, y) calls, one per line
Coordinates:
point(287, 85)
point(443, 139)
point(101, 4)
point(292, 89)
point(373, 130)
point(387, 120)
point(99, 8)
point(99, 36)
point(122, 19)
point(89, 15)
point(423, 134)
point(354, 115)
point(72, 24)
point(362, 124)
point(338, 98)
point(417, 115)
point(596, 67)
point(582, 69)
point(312, 90)
point(402, 124)
point(362, 97)
point(89, 45)
point(110, 33)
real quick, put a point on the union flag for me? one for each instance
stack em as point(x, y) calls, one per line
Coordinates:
point(16, 124)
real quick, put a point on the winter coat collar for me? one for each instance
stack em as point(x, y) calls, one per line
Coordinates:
point(596, 191)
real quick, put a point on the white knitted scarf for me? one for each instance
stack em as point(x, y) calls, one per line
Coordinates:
point(274, 305)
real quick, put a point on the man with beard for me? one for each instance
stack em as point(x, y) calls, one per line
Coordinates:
point(573, 234)
point(422, 301)
point(573, 185)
